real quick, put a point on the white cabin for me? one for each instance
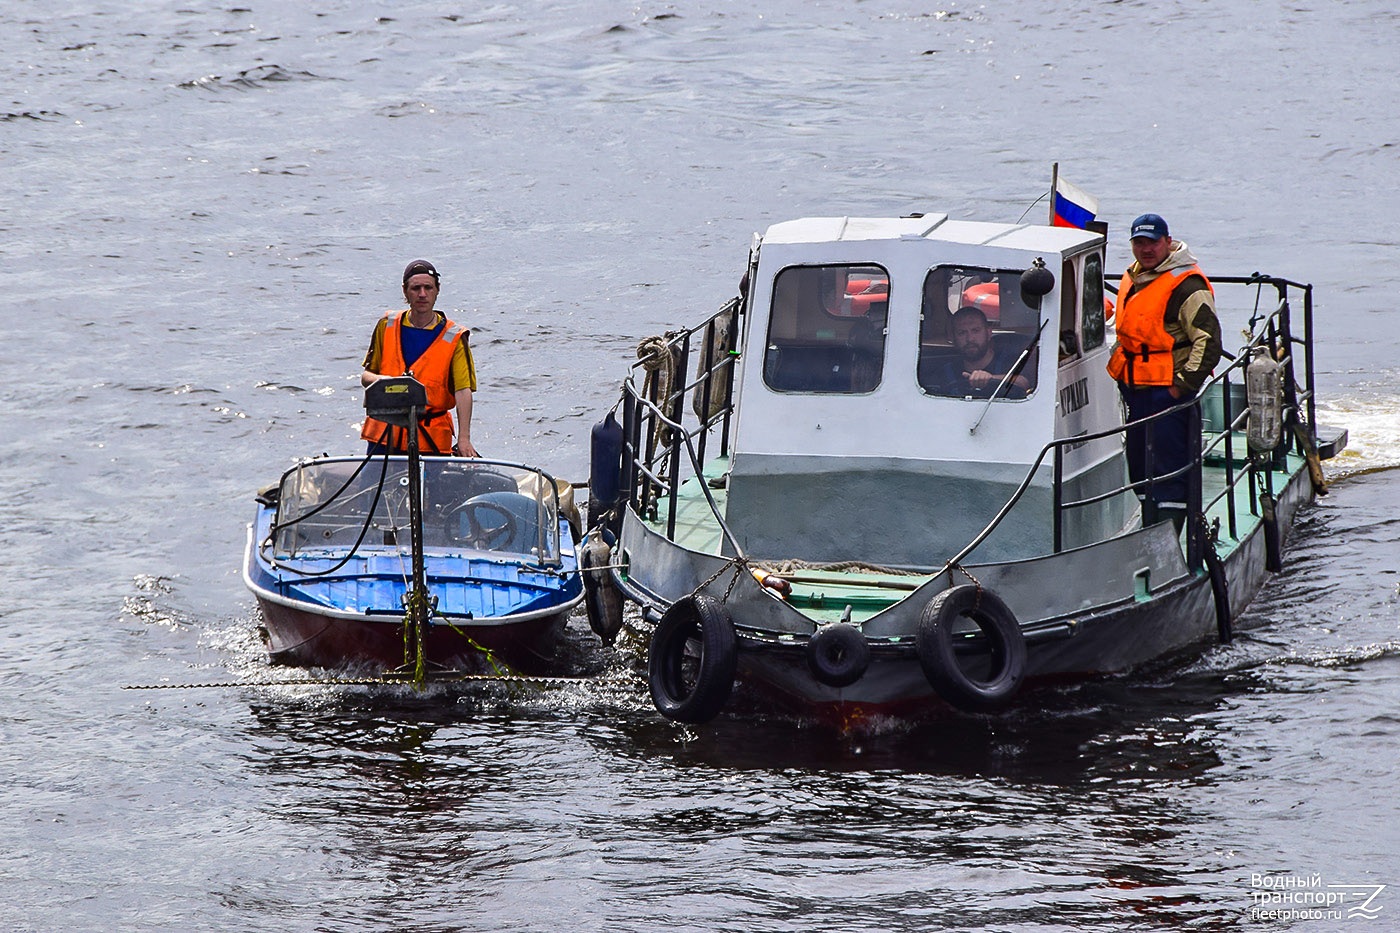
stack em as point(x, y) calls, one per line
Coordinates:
point(855, 440)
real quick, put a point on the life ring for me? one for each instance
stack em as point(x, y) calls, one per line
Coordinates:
point(939, 659)
point(838, 654)
point(601, 599)
point(684, 687)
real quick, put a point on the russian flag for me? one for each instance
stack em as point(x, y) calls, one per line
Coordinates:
point(1072, 207)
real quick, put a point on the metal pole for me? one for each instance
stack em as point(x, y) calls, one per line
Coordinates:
point(677, 413)
point(706, 387)
point(418, 598)
point(1308, 360)
point(1227, 406)
point(1194, 556)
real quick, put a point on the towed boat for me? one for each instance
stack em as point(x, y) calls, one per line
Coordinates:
point(825, 518)
point(414, 564)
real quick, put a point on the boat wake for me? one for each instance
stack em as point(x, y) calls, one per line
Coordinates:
point(1374, 434)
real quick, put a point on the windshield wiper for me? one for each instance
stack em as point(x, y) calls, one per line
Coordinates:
point(1010, 374)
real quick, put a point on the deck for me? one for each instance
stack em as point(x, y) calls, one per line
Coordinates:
point(825, 593)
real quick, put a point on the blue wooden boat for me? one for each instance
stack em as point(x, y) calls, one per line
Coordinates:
point(332, 549)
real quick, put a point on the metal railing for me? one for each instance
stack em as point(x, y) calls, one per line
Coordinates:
point(655, 432)
point(1276, 334)
point(662, 448)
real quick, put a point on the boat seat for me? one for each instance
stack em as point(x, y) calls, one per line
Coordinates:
point(832, 368)
point(497, 521)
point(454, 486)
point(1013, 341)
point(932, 360)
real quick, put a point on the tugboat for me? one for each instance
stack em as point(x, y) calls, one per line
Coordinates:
point(827, 519)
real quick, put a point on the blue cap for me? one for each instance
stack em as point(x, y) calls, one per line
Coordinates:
point(1151, 226)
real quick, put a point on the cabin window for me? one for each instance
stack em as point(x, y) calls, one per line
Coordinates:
point(1069, 313)
point(1092, 325)
point(977, 337)
point(826, 332)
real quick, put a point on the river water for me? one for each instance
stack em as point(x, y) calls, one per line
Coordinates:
point(206, 206)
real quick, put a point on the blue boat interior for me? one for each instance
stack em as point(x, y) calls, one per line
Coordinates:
point(336, 535)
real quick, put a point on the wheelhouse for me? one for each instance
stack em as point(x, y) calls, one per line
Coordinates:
point(859, 431)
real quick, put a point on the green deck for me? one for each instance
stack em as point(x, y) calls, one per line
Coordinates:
point(824, 594)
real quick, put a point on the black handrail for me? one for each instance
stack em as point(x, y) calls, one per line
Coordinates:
point(651, 471)
point(1276, 334)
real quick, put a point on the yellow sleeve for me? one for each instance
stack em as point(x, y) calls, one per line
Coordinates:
point(376, 346)
point(463, 368)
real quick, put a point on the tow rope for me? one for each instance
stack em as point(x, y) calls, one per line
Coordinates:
point(396, 680)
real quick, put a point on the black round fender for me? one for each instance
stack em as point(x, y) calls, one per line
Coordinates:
point(693, 657)
point(601, 599)
point(838, 654)
point(938, 657)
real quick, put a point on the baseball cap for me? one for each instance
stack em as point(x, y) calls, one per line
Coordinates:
point(1151, 226)
point(419, 267)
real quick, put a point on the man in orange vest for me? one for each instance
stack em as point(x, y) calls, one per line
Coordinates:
point(422, 342)
point(1168, 343)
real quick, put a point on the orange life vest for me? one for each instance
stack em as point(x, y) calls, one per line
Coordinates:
point(1143, 356)
point(434, 370)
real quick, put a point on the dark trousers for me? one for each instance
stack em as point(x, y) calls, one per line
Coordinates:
point(1159, 447)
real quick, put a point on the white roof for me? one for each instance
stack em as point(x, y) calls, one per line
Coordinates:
point(877, 424)
point(931, 227)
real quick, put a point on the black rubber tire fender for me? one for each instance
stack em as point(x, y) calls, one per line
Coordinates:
point(704, 620)
point(837, 654)
point(935, 643)
point(601, 598)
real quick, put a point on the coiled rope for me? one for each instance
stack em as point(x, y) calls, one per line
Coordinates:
point(658, 358)
point(792, 566)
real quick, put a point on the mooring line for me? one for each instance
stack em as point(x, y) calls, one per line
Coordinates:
point(394, 681)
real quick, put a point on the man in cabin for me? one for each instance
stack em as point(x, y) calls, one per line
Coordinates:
point(422, 342)
point(1168, 343)
point(981, 364)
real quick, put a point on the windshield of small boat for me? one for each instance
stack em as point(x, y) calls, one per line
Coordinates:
point(975, 335)
point(468, 505)
point(826, 332)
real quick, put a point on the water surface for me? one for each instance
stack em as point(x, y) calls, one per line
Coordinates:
point(208, 205)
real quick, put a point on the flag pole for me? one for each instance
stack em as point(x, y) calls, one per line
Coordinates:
point(1054, 183)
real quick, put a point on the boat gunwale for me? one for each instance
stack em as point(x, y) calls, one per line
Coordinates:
point(261, 592)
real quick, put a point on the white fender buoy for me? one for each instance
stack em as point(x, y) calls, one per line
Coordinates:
point(1263, 382)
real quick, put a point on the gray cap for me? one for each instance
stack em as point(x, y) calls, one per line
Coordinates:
point(420, 267)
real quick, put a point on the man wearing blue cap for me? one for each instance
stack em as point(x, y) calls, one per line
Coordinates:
point(1168, 343)
point(421, 341)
